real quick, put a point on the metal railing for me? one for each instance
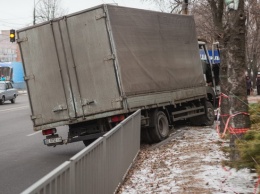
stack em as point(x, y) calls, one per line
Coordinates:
point(99, 168)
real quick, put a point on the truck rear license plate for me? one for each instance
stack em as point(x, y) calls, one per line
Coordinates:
point(53, 140)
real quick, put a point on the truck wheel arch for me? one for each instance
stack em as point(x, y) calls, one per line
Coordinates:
point(211, 95)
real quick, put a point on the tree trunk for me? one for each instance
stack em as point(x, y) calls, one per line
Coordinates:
point(236, 68)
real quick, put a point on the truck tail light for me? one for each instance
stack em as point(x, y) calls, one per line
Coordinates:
point(117, 118)
point(49, 131)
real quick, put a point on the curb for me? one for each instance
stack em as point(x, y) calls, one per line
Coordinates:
point(22, 91)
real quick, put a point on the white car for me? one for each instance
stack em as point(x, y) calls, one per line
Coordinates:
point(7, 92)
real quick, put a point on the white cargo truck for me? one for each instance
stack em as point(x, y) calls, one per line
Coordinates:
point(91, 69)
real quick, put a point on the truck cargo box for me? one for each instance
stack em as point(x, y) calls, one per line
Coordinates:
point(108, 60)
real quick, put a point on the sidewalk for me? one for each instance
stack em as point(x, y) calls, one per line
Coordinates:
point(190, 163)
point(253, 99)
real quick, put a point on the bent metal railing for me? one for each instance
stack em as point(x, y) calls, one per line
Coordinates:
point(100, 167)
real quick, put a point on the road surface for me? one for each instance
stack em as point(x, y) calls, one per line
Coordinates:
point(24, 159)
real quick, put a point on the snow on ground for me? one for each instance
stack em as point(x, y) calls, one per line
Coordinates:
point(190, 163)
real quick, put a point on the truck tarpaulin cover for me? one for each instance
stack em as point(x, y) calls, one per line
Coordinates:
point(155, 51)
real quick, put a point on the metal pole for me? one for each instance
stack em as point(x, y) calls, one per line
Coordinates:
point(34, 13)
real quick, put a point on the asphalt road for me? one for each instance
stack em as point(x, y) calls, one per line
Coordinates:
point(24, 159)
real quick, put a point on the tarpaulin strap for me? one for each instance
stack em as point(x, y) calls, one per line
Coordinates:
point(256, 185)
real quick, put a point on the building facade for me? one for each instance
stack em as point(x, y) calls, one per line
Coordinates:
point(9, 52)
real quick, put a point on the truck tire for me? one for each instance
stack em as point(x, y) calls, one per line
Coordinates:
point(206, 119)
point(160, 126)
point(196, 121)
point(209, 117)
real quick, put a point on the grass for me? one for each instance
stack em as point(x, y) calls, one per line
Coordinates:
point(249, 146)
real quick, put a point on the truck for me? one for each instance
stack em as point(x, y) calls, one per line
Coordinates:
point(211, 67)
point(91, 69)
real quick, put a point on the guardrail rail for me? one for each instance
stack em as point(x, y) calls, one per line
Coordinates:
point(99, 168)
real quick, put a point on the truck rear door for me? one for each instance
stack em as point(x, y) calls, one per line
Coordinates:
point(69, 68)
point(88, 39)
point(44, 73)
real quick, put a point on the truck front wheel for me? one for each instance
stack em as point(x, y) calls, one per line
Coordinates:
point(160, 126)
point(209, 117)
point(206, 119)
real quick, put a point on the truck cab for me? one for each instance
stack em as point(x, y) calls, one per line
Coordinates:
point(211, 63)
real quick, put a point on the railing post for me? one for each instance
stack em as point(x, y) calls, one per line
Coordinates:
point(72, 177)
point(105, 177)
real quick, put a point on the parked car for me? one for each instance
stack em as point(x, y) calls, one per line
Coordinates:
point(7, 92)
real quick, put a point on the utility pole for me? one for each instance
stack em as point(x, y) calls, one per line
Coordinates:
point(236, 59)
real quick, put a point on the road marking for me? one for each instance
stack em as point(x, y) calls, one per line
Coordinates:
point(17, 108)
point(33, 133)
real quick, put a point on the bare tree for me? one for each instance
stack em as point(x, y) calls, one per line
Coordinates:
point(173, 6)
point(204, 21)
point(253, 37)
point(46, 10)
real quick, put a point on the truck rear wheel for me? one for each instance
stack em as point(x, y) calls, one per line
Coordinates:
point(206, 119)
point(160, 129)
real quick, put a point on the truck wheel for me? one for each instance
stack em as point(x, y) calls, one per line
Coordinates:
point(209, 117)
point(2, 101)
point(196, 121)
point(160, 129)
point(206, 119)
point(145, 136)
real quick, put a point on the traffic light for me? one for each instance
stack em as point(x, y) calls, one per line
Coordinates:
point(12, 35)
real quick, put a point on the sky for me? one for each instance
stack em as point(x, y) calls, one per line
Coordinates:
point(17, 14)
